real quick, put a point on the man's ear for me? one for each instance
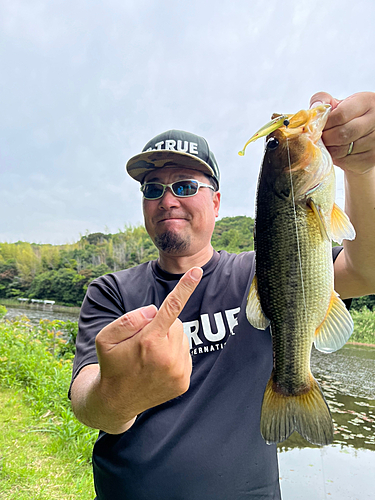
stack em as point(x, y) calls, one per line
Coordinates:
point(216, 202)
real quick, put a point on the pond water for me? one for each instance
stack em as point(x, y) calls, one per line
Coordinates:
point(345, 470)
point(40, 311)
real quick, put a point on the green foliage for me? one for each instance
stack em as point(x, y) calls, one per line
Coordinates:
point(59, 337)
point(8, 274)
point(364, 326)
point(3, 311)
point(32, 466)
point(35, 359)
point(234, 234)
point(63, 272)
point(64, 285)
point(361, 302)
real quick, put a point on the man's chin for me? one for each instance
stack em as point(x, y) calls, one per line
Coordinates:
point(171, 242)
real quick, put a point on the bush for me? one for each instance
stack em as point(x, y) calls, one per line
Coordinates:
point(32, 359)
point(64, 285)
point(367, 301)
point(364, 326)
point(3, 311)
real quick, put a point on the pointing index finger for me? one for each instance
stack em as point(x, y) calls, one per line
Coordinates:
point(176, 300)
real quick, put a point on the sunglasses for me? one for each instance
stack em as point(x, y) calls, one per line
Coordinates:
point(181, 189)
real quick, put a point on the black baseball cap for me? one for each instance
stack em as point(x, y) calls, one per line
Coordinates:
point(174, 148)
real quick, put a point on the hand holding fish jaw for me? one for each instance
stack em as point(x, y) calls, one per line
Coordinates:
point(351, 120)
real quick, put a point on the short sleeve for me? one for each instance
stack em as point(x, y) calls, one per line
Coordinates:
point(101, 305)
point(335, 253)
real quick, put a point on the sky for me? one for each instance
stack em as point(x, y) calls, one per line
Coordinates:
point(84, 85)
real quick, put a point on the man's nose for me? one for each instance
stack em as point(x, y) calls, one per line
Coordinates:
point(169, 199)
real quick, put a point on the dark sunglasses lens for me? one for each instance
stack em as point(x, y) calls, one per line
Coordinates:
point(152, 191)
point(185, 188)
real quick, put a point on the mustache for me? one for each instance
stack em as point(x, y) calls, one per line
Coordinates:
point(171, 215)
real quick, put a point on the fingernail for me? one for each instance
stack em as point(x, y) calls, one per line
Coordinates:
point(315, 104)
point(196, 273)
point(149, 312)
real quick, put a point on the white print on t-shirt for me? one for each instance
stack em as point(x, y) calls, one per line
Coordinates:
point(200, 333)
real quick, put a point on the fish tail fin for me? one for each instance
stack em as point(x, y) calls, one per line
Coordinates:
point(307, 413)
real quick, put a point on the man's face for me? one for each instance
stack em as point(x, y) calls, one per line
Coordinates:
point(180, 226)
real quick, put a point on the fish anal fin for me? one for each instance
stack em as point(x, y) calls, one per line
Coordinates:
point(341, 227)
point(336, 327)
point(254, 312)
point(319, 218)
point(307, 413)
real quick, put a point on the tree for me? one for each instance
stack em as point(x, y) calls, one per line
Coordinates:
point(63, 272)
point(8, 272)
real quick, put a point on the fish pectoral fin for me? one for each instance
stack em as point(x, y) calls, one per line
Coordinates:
point(336, 327)
point(254, 312)
point(341, 227)
point(319, 217)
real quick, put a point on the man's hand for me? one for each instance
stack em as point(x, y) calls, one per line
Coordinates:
point(144, 361)
point(351, 120)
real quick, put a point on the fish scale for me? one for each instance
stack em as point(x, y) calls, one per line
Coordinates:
point(292, 290)
point(278, 267)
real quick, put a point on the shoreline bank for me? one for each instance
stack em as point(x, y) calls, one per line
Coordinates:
point(45, 307)
point(360, 343)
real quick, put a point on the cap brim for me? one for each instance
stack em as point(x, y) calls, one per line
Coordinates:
point(139, 165)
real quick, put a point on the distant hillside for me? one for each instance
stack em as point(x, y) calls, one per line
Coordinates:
point(234, 234)
point(63, 272)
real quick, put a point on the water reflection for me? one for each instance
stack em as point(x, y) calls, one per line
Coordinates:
point(345, 469)
point(351, 370)
point(347, 378)
point(36, 313)
point(332, 472)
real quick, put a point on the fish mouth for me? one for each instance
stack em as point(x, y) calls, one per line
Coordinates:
point(311, 121)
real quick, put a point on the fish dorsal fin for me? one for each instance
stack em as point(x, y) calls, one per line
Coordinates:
point(254, 312)
point(341, 227)
point(336, 328)
point(319, 217)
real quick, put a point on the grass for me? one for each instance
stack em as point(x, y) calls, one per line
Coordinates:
point(3, 311)
point(45, 451)
point(364, 326)
point(31, 464)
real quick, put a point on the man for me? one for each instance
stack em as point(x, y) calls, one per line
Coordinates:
point(169, 431)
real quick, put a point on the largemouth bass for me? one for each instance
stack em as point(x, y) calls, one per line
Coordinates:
point(292, 290)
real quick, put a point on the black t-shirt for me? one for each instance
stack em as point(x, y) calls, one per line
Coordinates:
point(205, 444)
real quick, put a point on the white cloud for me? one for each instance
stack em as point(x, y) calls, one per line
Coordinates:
point(85, 85)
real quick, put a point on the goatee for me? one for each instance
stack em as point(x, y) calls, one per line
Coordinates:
point(171, 242)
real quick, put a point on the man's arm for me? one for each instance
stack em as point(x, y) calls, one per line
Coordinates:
point(144, 360)
point(353, 120)
point(85, 397)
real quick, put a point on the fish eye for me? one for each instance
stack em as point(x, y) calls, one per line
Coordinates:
point(272, 143)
